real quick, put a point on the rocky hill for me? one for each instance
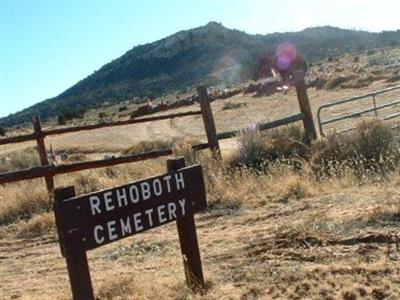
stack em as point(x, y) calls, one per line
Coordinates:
point(209, 54)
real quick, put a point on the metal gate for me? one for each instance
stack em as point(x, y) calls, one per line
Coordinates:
point(374, 108)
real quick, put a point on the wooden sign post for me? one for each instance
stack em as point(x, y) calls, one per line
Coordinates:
point(188, 241)
point(93, 220)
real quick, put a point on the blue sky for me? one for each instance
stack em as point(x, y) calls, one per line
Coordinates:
point(47, 46)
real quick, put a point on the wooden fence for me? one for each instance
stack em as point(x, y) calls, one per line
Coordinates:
point(48, 171)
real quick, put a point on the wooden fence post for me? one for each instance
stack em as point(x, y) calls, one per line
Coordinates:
point(304, 103)
point(208, 120)
point(188, 241)
point(77, 263)
point(42, 151)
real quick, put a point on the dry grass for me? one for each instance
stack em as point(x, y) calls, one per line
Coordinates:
point(258, 149)
point(22, 200)
point(17, 160)
point(146, 146)
point(77, 158)
point(128, 287)
point(368, 149)
point(363, 152)
point(273, 235)
point(251, 149)
point(37, 226)
point(19, 202)
point(260, 164)
point(337, 80)
point(281, 232)
point(180, 146)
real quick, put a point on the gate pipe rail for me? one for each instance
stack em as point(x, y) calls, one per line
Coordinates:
point(374, 109)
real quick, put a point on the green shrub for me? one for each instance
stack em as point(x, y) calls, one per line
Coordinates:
point(231, 105)
point(122, 108)
point(2, 131)
point(102, 115)
point(61, 120)
point(70, 114)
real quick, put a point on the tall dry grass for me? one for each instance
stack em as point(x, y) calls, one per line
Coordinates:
point(369, 149)
point(158, 144)
point(274, 223)
point(20, 201)
point(272, 167)
point(24, 205)
point(256, 150)
point(17, 160)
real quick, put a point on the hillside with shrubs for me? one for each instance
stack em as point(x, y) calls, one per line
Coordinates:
point(211, 54)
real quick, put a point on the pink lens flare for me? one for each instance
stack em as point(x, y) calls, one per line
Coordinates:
point(285, 54)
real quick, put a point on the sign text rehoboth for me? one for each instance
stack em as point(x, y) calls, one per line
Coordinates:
point(89, 221)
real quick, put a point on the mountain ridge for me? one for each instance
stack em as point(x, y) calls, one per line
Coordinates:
point(207, 54)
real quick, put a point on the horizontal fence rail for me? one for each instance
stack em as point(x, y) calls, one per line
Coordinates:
point(375, 108)
point(44, 133)
point(52, 170)
point(264, 126)
point(48, 171)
